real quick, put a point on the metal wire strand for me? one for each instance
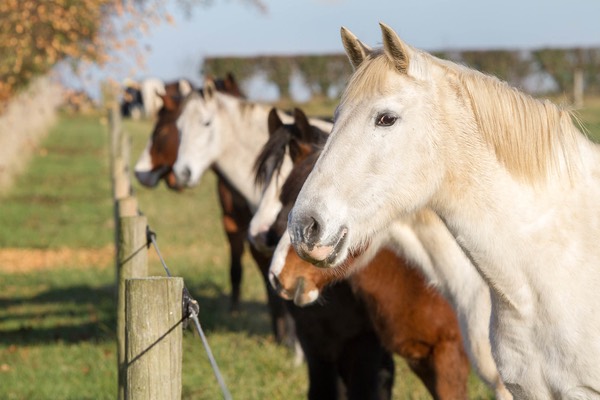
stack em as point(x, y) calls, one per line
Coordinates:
point(211, 358)
point(191, 311)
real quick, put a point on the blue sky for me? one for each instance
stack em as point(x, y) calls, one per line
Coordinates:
point(232, 27)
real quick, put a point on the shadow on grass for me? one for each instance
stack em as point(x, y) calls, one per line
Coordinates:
point(215, 315)
point(72, 314)
point(83, 313)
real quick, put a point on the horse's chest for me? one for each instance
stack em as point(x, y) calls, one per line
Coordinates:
point(535, 356)
point(519, 360)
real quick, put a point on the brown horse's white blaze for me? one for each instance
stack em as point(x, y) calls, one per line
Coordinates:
point(295, 279)
point(157, 159)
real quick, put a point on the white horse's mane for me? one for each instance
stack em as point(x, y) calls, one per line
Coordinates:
point(534, 139)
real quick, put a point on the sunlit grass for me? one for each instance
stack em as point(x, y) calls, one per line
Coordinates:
point(63, 197)
point(57, 325)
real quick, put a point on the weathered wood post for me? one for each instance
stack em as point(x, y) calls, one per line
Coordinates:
point(578, 88)
point(154, 338)
point(121, 181)
point(132, 262)
point(127, 207)
point(115, 130)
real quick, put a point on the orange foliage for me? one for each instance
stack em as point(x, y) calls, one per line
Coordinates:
point(37, 34)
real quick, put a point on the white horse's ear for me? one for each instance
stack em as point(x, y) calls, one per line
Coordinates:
point(355, 49)
point(209, 89)
point(395, 49)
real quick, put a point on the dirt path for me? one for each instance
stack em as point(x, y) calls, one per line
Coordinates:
point(18, 260)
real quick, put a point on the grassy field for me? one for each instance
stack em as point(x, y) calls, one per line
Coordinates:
point(57, 297)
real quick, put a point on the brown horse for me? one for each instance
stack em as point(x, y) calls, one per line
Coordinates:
point(411, 318)
point(156, 163)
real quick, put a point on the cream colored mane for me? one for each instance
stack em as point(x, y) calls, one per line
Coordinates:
point(533, 139)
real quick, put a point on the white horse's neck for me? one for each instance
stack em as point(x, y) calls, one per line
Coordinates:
point(424, 240)
point(244, 131)
point(441, 259)
point(536, 247)
point(511, 229)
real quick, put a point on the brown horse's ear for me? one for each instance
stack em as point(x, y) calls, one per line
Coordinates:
point(395, 49)
point(230, 81)
point(303, 137)
point(301, 122)
point(274, 121)
point(355, 49)
point(231, 85)
point(209, 89)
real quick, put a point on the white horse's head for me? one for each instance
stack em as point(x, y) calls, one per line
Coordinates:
point(382, 158)
point(200, 140)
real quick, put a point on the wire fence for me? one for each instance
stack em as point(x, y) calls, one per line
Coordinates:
point(191, 310)
point(133, 237)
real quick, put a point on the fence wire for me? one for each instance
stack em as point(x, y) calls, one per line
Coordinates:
point(191, 310)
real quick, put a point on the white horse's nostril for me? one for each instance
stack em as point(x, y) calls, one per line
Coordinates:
point(186, 174)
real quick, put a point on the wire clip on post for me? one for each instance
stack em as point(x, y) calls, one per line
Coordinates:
point(190, 307)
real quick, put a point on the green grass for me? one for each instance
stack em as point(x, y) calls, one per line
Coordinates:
point(57, 325)
point(65, 186)
point(590, 117)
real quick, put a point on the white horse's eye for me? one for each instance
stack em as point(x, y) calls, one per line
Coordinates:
point(385, 120)
point(207, 123)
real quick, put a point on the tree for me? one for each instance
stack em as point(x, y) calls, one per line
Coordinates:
point(278, 70)
point(37, 34)
point(322, 72)
point(559, 64)
point(241, 68)
point(509, 65)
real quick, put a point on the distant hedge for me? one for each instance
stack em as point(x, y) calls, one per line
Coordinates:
point(324, 71)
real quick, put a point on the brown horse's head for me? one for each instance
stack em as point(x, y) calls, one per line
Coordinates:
point(157, 160)
point(296, 279)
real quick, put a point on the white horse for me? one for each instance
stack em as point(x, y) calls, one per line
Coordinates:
point(421, 238)
point(513, 178)
point(229, 132)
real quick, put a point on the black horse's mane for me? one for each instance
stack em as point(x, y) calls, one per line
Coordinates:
point(295, 181)
point(273, 152)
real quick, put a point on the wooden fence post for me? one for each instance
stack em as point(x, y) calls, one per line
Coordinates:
point(116, 131)
point(132, 262)
point(154, 338)
point(578, 87)
point(127, 207)
point(121, 181)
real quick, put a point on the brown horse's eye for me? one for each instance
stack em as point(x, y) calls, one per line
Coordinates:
point(385, 120)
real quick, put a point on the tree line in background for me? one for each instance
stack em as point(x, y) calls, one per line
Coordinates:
point(526, 69)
